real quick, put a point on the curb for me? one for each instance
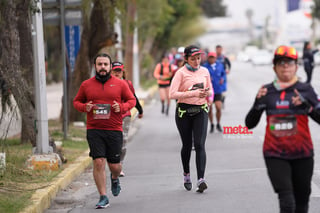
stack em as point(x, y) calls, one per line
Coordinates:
point(42, 198)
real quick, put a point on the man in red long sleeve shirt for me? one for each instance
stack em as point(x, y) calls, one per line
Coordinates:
point(104, 98)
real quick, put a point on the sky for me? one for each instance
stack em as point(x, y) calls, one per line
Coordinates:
point(287, 28)
point(261, 8)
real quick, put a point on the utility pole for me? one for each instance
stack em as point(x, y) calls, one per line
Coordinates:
point(64, 74)
point(135, 70)
point(129, 38)
point(117, 28)
point(40, 83)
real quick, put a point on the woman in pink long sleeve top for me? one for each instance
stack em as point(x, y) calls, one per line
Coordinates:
point(191, 86)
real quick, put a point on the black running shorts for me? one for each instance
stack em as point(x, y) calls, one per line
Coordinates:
point(217, 97)
point(105, 144)
point(163, 85)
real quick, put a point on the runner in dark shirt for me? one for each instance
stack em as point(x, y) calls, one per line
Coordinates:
point(287, 149)
point(308, 60)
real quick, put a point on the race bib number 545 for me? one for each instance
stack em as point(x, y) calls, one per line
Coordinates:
point(101, 111)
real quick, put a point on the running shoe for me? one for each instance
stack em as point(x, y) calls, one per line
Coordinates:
point(211, 128)
point(115, 186)
point(219, 128)
point(202, 185)
point(121, 174)
point(103, 202)
point(187, 182)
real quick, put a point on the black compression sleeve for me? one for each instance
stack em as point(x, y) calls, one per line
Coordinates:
point(228, 63)
point(315, 115)
point(138, 105)
point(253, 117)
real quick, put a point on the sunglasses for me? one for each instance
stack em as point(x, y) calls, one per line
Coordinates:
point(282, 63)
point(286, 51)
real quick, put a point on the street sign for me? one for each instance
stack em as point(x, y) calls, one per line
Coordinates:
point(71, 8)
point(72, 38)
point(65, 13)
point(52, 17)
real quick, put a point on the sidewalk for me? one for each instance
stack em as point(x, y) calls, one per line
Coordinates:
point(42, 198)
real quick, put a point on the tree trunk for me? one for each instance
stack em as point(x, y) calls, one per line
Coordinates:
point(101, 26)
point(96, 35)
point(145, 50)
point(81, 71)
point(11, 69)
point(26, 58)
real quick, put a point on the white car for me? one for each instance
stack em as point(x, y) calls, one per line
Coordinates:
point(316, 58)
point(243, 57)
point(262, 57)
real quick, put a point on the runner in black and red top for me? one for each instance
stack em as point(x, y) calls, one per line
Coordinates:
point(288, 148)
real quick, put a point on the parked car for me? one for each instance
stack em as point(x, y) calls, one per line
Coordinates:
point(251, 50)
point(262, 57)
point(317, 58)
point(247, 53)
point(243, 57)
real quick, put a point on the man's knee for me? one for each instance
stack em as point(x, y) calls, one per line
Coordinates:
point(115, 168)
point(99, 163)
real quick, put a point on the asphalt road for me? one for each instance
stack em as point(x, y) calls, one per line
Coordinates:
point(235, 173)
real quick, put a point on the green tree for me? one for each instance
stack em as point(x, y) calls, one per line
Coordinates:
point(165, 24)
point(185, 14)
point(152, 19)
point(16, 60)
point(162, 25)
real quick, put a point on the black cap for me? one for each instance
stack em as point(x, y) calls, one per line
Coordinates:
point(192, 50)
point(117, 65)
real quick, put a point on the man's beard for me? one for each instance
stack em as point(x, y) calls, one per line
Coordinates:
point(102, 78)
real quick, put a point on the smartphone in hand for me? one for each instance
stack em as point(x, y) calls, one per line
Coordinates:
point(197, 86)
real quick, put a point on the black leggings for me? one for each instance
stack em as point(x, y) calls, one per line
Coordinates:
point(308, 71)
point(193, 129)
point(291, 180)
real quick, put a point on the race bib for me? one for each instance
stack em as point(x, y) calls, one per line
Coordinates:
point(281, 126)
point(101, 111)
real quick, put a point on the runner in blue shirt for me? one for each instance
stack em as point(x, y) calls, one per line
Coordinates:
point(227, 67)
point(217, 74)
